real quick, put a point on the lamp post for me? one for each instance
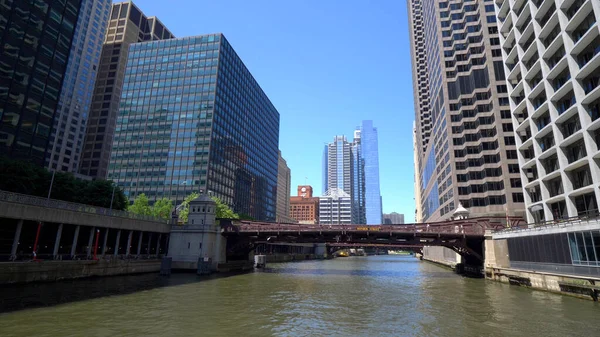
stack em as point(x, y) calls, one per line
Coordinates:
point(51, 183)
point(113, 196)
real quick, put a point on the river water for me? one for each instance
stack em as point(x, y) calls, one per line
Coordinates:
point(355, 296)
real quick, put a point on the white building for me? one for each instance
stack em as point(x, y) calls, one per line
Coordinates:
point(551, 53)
point(335, 208)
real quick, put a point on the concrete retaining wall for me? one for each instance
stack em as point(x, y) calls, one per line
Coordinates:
point(24, 272)
point(563, 284)
point(289, 257)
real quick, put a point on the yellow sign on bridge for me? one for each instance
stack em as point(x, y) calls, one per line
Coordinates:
point(368, 228)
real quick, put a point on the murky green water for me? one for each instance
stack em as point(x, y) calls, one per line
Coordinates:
point(357, 296)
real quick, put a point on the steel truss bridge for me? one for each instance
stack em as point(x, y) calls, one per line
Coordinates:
point(465, 237)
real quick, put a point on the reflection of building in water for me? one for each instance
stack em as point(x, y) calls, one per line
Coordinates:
point(208, 127)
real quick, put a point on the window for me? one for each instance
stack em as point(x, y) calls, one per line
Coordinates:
point(491, 18)
point(489, 8)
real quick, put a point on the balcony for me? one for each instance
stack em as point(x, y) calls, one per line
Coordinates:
point(518, 99)
point(531, 173)
point(555, 187)
point(547, 142)
point(522, 27)
point(542, 121)
point(587, 54)
point(543, 20)
point(581, 177)
point(537, 3)
point(596, 135)
point(586, 205)
point(551, 36)
point(590, 83)
point(535, 81)
point(574, 8)
point(535, 194)
point(550, 164)
point(524, 135)
point(532, 60)
point(528, 43)
point(554, 59)
point(580, 31)
point(569, 127)
point(538, 102)
point(564, 104)
point(575, 151)
point(528, 153)
point(593, 110)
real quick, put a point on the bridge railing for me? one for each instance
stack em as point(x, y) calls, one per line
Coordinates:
point(71, 206)
point(559, 222)
point(472, 226)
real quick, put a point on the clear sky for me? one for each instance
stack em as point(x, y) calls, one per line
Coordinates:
point(326, 65)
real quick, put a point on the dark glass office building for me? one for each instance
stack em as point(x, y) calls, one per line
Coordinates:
point(193, 118)
point(35, 42)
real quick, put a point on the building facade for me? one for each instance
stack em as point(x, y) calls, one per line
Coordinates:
point(470, 156)
point(551, 58)
point(393, 218)
point(304, 208)
point(70, 121)
point(358, 179)
point(35, 44)
point(370, 156)
point(189, 120)
point(338, 166)
point(284, 182)
point(127, 25)
point(335, 208)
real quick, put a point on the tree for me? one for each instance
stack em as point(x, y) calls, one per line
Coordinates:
point(162, 208)
point(185, 207)
point(223, 211)
point(140, 205)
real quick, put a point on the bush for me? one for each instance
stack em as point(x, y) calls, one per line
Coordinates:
point(27, 178)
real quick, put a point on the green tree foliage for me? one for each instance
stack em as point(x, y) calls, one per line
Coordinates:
point(162, 208)
point(223, 211)
point(140, 205)
point(185, 207)
point(27, 178)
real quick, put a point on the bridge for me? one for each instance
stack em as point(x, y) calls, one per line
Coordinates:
point(465, 237)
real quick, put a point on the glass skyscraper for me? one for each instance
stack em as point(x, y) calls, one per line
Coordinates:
point(192, 117)
point(35, 42)
point(369, 151)
point(70, 122)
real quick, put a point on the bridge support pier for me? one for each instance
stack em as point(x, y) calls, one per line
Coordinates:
point(105, 240)
point(129, 237)
point(139, 247)
point(117, 243)
point(15, 245)
point(90, 242)
point(57, 241)
point(75, 236)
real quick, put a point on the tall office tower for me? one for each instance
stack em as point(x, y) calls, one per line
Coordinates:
point(417, 188)
point(284, 187)
point(393, 218)
point(35, 43)
point(70, 121)
point(358, 179)
point(470, 157)
point(127, 25)
point(338, 165)
point(193, 118)
point(551, 55)
point(370, 156)
point(335, 208)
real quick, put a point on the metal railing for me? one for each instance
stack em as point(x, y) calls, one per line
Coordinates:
point(71, 206)
point(587, 216)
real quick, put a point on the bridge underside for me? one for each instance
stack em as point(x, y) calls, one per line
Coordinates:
point(469, 246)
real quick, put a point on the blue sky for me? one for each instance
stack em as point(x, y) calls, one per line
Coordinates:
point(326, 65)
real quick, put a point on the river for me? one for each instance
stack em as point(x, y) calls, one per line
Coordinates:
point(355, 296)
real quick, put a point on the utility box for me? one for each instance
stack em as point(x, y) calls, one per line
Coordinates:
point(204, 266)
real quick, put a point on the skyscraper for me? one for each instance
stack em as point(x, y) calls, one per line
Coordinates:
point(358, 179)
point(35, 43)
point(370, 156)
point(393, 218)
point(127, 25)
point(192, 117)
point(284, 186)
point(70, 122)
point(335, 208)
point(338, 164)
point(551, 56)
point(459, 83)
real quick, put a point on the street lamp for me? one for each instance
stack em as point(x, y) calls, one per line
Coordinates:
point(51, 183)
point(113, 195)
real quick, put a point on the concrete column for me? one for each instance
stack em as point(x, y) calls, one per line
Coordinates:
point(139, 250)
point(91, 242)
point(74, 248)
point(149, 242)
point(158, 243)
point(129, 237)
point(15, 245)
point(117, 243)
point(104, 244)
point(57, 241)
